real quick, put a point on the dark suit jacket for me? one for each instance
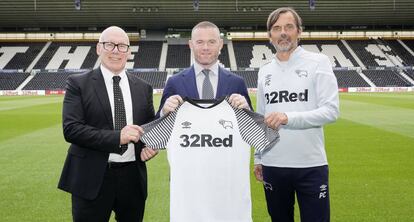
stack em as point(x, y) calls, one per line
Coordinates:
point(184, 84)
point(88, 126)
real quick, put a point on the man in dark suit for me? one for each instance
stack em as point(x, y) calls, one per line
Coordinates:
point(102, 111)
point(205, 79)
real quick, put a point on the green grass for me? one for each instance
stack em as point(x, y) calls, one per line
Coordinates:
point(370, 152)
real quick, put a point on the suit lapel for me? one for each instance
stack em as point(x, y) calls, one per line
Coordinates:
point(223, 83)
point(135, 96)
point(190, 84)
point(100, 90)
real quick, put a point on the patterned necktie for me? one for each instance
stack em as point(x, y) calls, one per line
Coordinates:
point(120, 116)
point(207, 92)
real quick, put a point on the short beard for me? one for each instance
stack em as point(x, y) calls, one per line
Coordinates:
point(286, 48)
point(283, 48)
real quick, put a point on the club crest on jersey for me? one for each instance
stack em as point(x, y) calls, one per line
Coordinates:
point(268, 78)
point(226, 124)
point(301, 73)
point(186, 125)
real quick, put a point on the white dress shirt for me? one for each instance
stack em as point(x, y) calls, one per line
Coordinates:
point(199, 77)
point(214, 72)
point(129, 155)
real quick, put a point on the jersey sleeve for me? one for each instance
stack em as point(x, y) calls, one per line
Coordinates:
point(254, 131)
point(157, 133)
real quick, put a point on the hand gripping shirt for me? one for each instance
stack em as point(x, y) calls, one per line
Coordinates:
point(208, 151)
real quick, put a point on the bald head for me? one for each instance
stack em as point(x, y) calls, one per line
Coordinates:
point(108, 49)
point(112, 30)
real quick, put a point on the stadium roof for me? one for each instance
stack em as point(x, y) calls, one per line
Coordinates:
point(62, 15)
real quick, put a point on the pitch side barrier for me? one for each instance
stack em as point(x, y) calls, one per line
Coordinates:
point(251, 90)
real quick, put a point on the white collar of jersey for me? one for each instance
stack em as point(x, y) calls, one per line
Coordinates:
point(197, 102)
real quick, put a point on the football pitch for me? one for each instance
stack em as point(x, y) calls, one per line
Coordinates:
point(370, 153)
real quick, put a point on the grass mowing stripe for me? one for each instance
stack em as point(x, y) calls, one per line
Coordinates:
point(371, 173)
point(402, 100)
point(25, 120)
point(31, 165)
point(16, 102)
point(393, 119)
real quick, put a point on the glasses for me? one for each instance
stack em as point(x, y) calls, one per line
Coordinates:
point(287, 28)
point(111, 46)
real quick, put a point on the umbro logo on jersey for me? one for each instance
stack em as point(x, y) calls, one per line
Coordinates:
point(205, 140)
point(267, 79)
point(286, 96)
point(301, 73)
point(226, 124)
point(186, 125)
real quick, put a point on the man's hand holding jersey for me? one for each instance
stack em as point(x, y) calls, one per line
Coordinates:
point(275, 119)
point(171, 104)
point(238, 101)
point(130, 134)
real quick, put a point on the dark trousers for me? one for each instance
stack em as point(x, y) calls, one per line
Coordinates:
point(309, 184)
point(120, 192)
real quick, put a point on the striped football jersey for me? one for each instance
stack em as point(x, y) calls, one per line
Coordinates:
point(208, 148)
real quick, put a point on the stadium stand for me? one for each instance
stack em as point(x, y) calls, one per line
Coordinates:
point(48, 81)
point(409, 43)
point(334, 49)
point(245, 51)
point(178, 56)
point(11, 80)
point(155, 79)
point(224, 57)
point(68, 55)
point(387, 78)
point(250, 77)
point(148, 55)
point(373, 54)
point(63, 58)
point(349, 78)
point(18, 55)
point(398, 49)
point(410, 73)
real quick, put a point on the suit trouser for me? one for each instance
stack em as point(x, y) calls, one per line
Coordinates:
point(310, 186)
point(120, 192)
